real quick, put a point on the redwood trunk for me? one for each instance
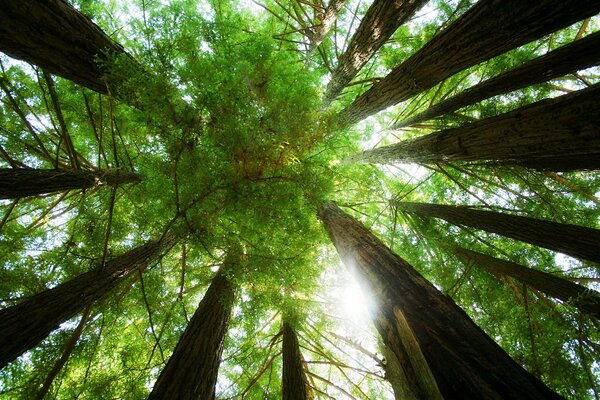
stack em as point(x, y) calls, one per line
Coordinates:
point(23, 326)
point(586, 300)
point(379, 23)
point(326, 20)
point(559, 134)
point(575, 56)
point(294, 383)
point(429, 334)
point(576, 241)
point(191, 372)
point(489, 28)
point(55, 36)
point(22, 182)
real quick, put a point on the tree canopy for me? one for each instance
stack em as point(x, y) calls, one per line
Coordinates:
point(211, 135)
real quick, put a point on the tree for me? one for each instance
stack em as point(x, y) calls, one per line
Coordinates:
point(326, 20)
point(69, 44)
point(293, 381)
point(191, 372)
point(570, 58)
point(584, 299)
point(555, 134)
point(24, 325)
point(22, 182)
point(442, 352)
point(378, 25)
point(488, 29)
point(576, 241)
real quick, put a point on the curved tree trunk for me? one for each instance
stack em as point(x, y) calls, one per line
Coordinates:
point(379, 23)
point(22, 182)
point(442, 352)
point(191, 372)
point(294, 385)
point(586, 300)
point(55, 36)
point(577, 55)
point(576, 241)
point(489, 28)
point(559, 134)
point(23, 326)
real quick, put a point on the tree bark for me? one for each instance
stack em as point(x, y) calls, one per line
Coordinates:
point(575, 56)
point(24, 325)
point(55, 36)
point(489, 28)
point(442, 352)
point(559, 134)
point(22, 182)
point(191, 372)
point(584, 299)
point(576, 241)
point(379, 23)
point(326, 19)
point(294, 384)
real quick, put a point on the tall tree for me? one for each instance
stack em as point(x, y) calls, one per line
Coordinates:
point(559, 134)
point(325, 20)
point(584, 299)
point(24, 325)
point(379, 23)
point(55, 36)
point(489, 28)
point(191, 372)
point(576, 241)
point(442, 352)
point(22, 182)
point(575, 56)
point(293, 382)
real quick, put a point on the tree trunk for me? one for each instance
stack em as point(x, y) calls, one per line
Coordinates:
point(294, 384)
point(576, 241)
point(575, 56)
point(55, 36)
point(489, 28)
point(559, 134)
point(586, 300)
point(22, 182)
point(379, 23)
point(443, 354)
point(191, 372)
point(326, 19)
point(24, 325)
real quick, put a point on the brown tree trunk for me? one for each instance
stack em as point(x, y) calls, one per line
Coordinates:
point(577, 55)
point(442, 353)
point(23, 326)
point(293, 383)
point(559, 134)
point(379, 23)
point(325, 21)
point(586, 300)
point(576, 241)
point(191, 372)
point(55, 36)
point(489, 28)
point(22, 182)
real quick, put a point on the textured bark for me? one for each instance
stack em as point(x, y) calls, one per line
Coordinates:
point(575, 56)
point(22, 182)
point(576, 241)
point(55, 36)
point(559, 134)
point(293, 383)
point(417, 321)
point(379, 23)
point(586, 300)
point(489, 28)
point(23, 326)
point(191, 372)
point(326, 19)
